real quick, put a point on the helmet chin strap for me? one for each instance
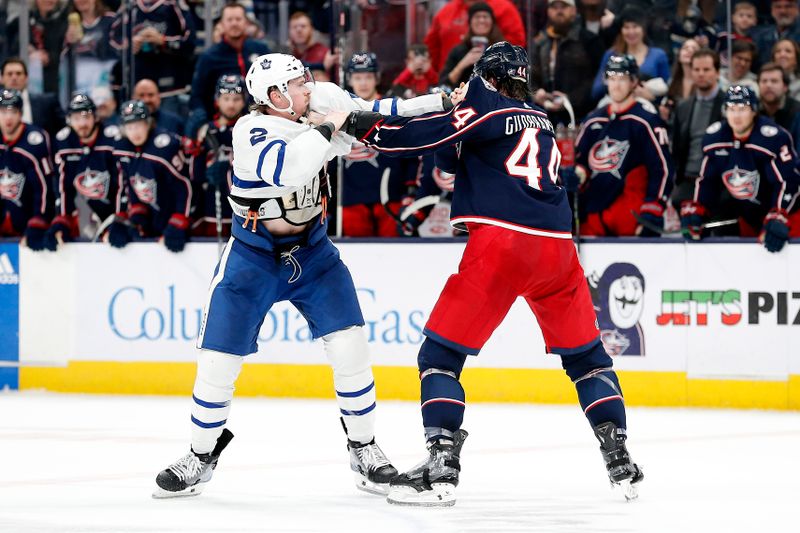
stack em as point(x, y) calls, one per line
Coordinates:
point(284, 110)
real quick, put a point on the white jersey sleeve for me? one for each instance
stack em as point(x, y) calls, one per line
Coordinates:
point(327, 96)
point(272, 155)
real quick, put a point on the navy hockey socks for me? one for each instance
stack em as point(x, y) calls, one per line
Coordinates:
point(599, 392)
point(442, 396)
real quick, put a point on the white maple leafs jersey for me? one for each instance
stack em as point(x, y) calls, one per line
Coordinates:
point(275, 157)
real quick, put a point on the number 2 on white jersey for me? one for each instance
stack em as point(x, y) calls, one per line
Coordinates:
point(523, 161)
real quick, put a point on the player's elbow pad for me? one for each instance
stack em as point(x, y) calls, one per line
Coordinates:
point(359, 123)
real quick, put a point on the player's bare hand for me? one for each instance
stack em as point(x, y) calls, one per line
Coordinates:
point(337, 118)
point(458, 94)
point(314, 118)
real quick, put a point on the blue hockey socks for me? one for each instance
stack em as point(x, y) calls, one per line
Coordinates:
point(442, 396)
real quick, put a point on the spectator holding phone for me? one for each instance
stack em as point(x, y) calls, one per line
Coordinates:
point(482, 32)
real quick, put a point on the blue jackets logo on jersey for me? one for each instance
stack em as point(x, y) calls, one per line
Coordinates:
point(608, 156)
point(145, 189)
point(742, 184)
point(11, 186)
point(93, 184)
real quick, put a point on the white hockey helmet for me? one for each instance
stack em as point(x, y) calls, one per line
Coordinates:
point(275, 70)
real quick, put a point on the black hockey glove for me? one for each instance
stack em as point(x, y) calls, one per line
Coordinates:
point(692, 215)
point(775, 232)
point(35, 234)
point(139, 217)
point(120, 232)
point(176, 233)
point(653, 214)
point(359, 123)
point(65, 226)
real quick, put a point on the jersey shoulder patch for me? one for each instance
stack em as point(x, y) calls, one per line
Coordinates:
point(112, 132)
point(35, 138)
point(162, 140)
point(769, 131)
point(714, 128)
point(647, 106)
point(63, 133)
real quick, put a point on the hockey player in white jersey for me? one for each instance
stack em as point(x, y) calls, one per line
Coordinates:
point(279, 251)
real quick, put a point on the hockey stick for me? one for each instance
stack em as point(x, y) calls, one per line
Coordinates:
point(104, 225)
point(407, 212)
point(212, 145)
point(708, 225)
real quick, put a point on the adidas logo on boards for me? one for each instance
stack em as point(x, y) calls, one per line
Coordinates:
point(7, 274)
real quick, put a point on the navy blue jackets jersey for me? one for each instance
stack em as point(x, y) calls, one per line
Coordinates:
point(610, 146)
point(165, 64)
point(90, 171)
point(759, 173)
point(206, 203)
point(25, 174)
point(156, 175)
point(363, 172)
point(506, 160)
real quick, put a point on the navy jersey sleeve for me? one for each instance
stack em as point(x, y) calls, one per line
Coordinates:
point(403, 137)
point(708, 184)
point(660, 169)
point(780, 169)
point(176, 168)
point(37, 150)
point(65, 195)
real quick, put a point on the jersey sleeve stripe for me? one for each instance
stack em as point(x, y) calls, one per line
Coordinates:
point(664, 165)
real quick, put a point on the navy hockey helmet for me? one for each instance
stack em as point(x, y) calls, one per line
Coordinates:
point(81, 103)
point(363, 62)
point(741, 95)
point(11, 98)
point(229, 84)
point(622, 64)
point(502, 61)
point(132, 111)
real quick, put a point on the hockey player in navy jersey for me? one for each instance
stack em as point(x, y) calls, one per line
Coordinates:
point(280, 251)
point(156, 178)
point(25, 173)
point(749, 170)
point(363, 214)
point(520, 244)
point(86, 167)
point(211, 166)
point(623, 160)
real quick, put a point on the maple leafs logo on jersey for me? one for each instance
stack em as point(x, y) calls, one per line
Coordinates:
point(608, 155)
point(146, 189)
point(11, 186)
point(93, 184)
point(742, 184)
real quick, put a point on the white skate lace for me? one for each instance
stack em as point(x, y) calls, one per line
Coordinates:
point(186, 467)
point(372, 456)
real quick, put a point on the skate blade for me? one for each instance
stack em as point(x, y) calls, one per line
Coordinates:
point(442, 495)
point(629, 490)
point(161, 494)
point(362, 483)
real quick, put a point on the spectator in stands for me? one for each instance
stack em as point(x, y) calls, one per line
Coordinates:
point(161, 44)
point(692, 117)
point(563, 54)
point(48, 25)
point(739, 73)
point(106, 105)
point(147, 91)
point(786, 15)
point(598, 19)
point(786, 53)
point(773, 85)
point(743, 19)
point(233, 55)
point(450, 25)
point(654, 64)
point(92, 38)
point(482, 33)
point(42, 110)
point(316, 56)
point(418, 77)
point(681, 85)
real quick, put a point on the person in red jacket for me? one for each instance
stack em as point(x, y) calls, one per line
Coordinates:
point(418, 77)
point(451, 24)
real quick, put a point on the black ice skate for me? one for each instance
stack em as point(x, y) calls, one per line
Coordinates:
point(373, 471)
point(188, 475)
point(432, 483)
point(622, 472)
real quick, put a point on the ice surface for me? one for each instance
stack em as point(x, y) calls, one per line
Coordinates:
point(75, 463)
